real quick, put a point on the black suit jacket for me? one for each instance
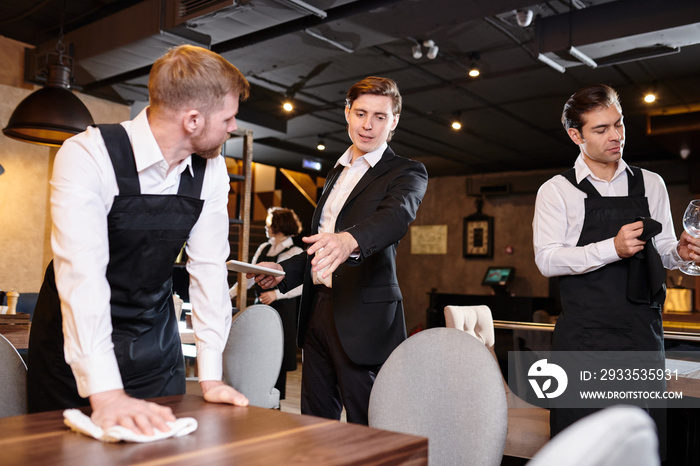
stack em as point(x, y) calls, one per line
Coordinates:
point(367, 301)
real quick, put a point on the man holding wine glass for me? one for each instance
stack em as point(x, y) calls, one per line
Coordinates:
point(691, 224)
point(591, 228)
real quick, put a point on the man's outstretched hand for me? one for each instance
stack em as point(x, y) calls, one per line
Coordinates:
point(331, 250)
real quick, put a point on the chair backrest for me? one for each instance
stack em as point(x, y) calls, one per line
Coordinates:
point(443, 384)
point(253, 355)
point(475, 320)
point(13, 381)
point(528, 425)
point(615, 436)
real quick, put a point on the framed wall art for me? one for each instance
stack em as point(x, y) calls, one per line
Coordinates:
point(478, 236)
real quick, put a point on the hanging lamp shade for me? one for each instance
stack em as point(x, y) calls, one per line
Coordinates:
point(50, 115)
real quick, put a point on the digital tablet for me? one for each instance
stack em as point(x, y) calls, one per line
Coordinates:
point(244, 267)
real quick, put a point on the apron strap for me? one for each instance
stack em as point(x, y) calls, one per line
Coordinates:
point(635, 183)
point(584, 185)
point(119, 147)
point(191, 186)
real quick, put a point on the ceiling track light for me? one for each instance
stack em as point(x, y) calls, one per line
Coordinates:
point(582, 57)
point(432, 49)
point(524, 17)
point(416, 51)
point(287, 104)
point(321, 145)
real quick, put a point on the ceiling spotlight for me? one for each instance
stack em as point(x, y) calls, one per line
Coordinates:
point(287, 106)
point(457, 121)
point(432, 49)
point(416, 51)
point(649, 98)
point(685, 151)
point(524, 17)
point(321, 145)
point(474, 70)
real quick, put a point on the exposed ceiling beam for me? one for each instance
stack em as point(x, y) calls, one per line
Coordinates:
point(613, 20)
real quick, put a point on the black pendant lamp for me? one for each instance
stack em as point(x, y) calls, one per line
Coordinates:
point(52, 114)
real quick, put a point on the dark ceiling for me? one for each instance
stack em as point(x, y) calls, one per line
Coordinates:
point(510, 114)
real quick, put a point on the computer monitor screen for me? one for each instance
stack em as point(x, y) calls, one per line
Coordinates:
point(500, 276)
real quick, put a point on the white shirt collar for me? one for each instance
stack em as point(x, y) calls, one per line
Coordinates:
point(372, 158)
point(146, 150)
point(583, 170)
point(287, 241)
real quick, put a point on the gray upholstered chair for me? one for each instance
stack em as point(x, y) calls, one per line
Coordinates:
point(614, 436)
point(443, 384)
point(253, 355)
point(13, 381)
point(528, 425)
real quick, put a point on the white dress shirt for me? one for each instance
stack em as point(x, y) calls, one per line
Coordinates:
point(83, 188)
point(346, 182)
point(559, 216)
point(275, 248)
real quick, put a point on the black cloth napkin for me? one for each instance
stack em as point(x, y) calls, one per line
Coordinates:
point(646, 282)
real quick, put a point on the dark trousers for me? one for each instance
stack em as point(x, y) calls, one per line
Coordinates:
point(329, 378)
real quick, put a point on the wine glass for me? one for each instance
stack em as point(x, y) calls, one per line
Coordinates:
point(691, 223)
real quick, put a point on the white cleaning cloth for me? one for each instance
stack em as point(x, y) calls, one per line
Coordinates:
point(82, 423)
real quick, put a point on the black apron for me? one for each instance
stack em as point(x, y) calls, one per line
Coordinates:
point(146, 233)
point(288, 309)
point(596, 313)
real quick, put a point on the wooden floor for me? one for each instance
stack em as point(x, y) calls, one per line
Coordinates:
point(292, 400)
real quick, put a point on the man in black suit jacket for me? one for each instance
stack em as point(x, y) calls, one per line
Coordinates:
point(351, 315)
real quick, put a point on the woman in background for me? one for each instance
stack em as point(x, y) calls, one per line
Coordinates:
point(281, 226)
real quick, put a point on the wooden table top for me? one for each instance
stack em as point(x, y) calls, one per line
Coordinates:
point(226, 435)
